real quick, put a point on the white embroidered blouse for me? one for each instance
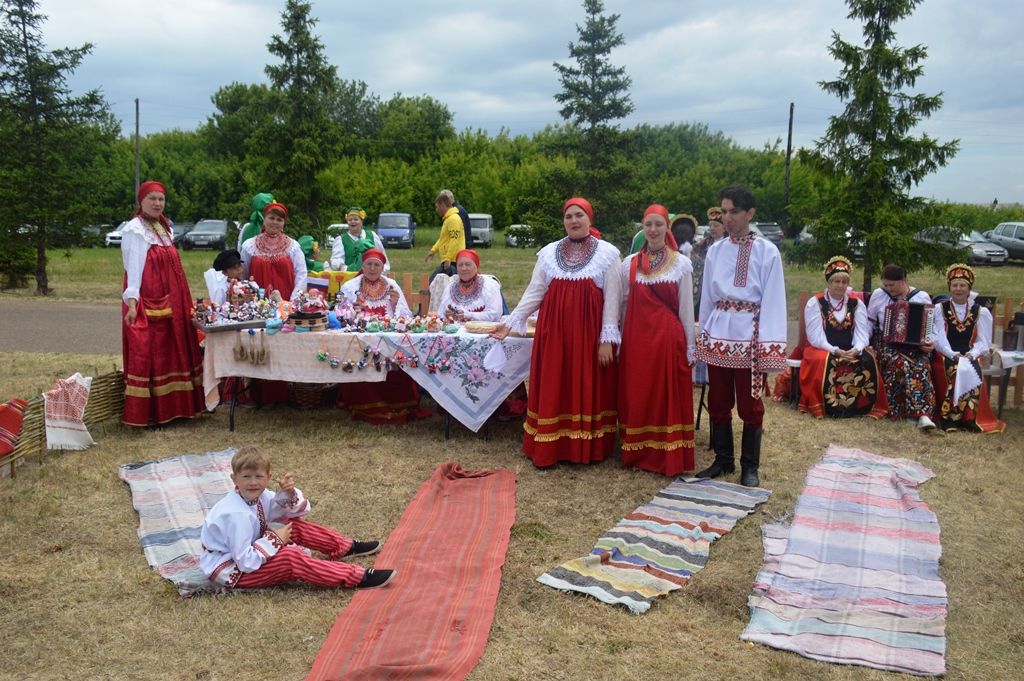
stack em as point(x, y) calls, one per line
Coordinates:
point(983, 333)
point(814, 325)
point(136, 238)
point(483, 306)
point(350, 292)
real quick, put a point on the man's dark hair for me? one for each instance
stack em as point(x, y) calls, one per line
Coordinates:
point(740, 196)
point(894, 273)
point(226, 260)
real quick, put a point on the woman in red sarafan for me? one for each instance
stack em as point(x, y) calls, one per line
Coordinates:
point(658, 343)
point(162, 364)
point(839, 374)
point(571, 407)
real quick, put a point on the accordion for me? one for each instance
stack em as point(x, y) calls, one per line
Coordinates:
point(907, 323)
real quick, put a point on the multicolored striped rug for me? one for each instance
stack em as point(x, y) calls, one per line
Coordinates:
point(431, 622)
point(658, 547)
point(854, 578)
point(172, 497)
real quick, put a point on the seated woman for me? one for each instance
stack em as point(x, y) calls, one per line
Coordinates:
point(471, 296)
point(397, 399)
point(839, 375)
point(962, 330)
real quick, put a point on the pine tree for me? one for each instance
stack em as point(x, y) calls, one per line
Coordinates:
point(303, 139)
point(594, 95)
point(49, 140)
point(869, 150)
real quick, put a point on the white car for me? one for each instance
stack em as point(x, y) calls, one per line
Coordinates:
point(113, 238)
point(334, 231)
point(482, 227)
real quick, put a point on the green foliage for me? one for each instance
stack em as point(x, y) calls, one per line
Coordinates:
point(50, 141)
point(869, 154)
point(17, 259)
point(411, 127)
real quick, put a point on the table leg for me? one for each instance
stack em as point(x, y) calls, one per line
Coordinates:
point(234, 403)
point(1004, 384)
point(447, 425)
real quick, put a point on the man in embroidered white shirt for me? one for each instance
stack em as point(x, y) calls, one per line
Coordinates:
point(743, 333)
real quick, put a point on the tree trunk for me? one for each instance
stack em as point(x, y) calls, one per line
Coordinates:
point(42, 281)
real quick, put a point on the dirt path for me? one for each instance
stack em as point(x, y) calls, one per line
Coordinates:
point(46, 326)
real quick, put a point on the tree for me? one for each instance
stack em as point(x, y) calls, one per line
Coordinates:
point(49, 140)
point(303, 140)
point(411, 127)
point(869, 151)
point(594, 95)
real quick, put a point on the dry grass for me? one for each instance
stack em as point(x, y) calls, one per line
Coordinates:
point(77, 600)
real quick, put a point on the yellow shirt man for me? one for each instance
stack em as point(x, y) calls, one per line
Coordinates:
point(452, 238)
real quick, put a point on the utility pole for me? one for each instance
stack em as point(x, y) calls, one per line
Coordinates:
point(789, 157)
point(138, 162)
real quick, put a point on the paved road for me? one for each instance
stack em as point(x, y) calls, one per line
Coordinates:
point(40, 325)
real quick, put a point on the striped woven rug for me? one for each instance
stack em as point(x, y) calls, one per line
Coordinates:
point(172, 497)
point(432, 621)
point(658, 547)
point(854, 579)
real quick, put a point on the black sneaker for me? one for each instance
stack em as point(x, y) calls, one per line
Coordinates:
point(363, 548)
point(374, 578)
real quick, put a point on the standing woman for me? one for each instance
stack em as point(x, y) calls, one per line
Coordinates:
point(347, 251)
point(162, 365)
point(839, 374)
point(274, 259)
point(716, 230)
point(576, 285)
point(963, 331)
point(471, 296)
point(655, 384)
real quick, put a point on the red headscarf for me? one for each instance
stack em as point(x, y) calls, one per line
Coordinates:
point(375, 253)
point(468, 253)
point(145, 189)
point(274, 205)
point(670, 241)
point(587, 208)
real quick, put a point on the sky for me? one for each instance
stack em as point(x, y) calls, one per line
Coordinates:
point(735, 65)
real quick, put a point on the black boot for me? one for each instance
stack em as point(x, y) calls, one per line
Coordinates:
point(750, 457)
point(725, 457)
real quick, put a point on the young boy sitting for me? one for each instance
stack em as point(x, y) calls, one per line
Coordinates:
point(253, 538)
point(227, 265)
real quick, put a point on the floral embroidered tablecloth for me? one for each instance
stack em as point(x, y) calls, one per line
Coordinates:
point(481, 372)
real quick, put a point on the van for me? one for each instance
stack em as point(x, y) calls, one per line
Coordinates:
point(482, 227)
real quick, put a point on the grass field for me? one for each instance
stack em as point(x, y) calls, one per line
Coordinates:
point(77, 600)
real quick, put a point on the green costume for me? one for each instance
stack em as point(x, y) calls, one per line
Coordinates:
point(354, 249)
point(309, 250)
point(255, 224)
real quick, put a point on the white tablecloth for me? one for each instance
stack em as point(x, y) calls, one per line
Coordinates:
point(483, 371)
point(1010, 358)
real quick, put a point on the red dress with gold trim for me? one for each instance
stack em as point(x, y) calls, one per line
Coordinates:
point(571, 404)
point(163, 367)
point(655, 380)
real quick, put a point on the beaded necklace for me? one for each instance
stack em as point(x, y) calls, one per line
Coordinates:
point(374, 291)
point(158, 229)
point(572, 256)
point(960, 324)
point(464, 293)
point(657, 260)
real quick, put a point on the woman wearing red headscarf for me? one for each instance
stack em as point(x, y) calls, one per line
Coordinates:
point(162, 365)
point(658, 343)
point(471, 296)
point(397, 399)
point(273, 258)
point(576, 285)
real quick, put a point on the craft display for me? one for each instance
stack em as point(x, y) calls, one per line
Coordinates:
point(308, 311)
point(247, 307)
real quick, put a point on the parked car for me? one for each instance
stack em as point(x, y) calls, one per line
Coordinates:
point(518, 236)
point(181, 229)
point(113, 237)
point(396, 229)
point(333, 232)
point(771, 231)
point(482, 226)
point(1009, 235)
point(980, 251)
point(699, 233)
point(206, 234)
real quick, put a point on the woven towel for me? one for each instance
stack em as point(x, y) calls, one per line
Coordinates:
point(172, 497)
point(854, 579)
point(657, 548)
point(12, 413)
point(63, 410)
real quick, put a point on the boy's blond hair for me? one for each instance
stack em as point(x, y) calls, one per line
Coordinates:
point(250, 457)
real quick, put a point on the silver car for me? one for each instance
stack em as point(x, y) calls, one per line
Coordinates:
point(980, 251)
point(1009, 235)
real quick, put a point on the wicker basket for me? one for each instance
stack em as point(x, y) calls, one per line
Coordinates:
point(313, 323)
point(309, 395)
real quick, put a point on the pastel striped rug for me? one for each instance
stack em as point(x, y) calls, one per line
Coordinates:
point(432, 621)
point(656, 549)
point(854, 578)
point(172, 497)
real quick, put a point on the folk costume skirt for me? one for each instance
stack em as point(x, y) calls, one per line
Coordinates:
point(272, 274)
point(163, 368)
point(838, 389)
point(655, 383)
point(972, 412)
point(396, 400)
point(570, 409)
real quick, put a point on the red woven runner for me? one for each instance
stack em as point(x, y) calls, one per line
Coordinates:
point(432, 620)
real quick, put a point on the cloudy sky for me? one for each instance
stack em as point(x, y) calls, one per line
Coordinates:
point(734, 65)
